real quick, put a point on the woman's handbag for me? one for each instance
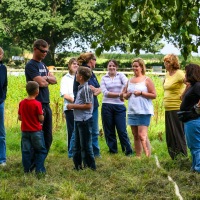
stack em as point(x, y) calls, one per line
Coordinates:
point(186, 116)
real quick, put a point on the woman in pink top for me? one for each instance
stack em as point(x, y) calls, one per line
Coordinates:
point(113, 109)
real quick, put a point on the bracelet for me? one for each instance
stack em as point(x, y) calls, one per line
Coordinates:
point(119, 94)
point(141, 93)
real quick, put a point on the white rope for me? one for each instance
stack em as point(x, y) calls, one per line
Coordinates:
point(177, 192)
point(176, 188)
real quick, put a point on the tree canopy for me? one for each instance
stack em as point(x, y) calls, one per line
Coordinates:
point(130, 25)
point(140, 24)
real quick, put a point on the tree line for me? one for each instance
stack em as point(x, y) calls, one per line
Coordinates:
point(128, 25)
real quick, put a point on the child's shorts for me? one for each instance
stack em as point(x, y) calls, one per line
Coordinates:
point(139, 120)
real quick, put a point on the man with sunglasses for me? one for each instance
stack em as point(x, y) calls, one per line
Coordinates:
point(36, 70)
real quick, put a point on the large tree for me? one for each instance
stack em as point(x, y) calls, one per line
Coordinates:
point(140, 24)
point(56, 21)
point(27, 20)
point(131, 25)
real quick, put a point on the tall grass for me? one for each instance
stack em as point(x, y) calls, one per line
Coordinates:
point(117, 176)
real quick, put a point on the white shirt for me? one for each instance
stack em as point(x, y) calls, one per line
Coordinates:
point(66, 87)
point(139, 104)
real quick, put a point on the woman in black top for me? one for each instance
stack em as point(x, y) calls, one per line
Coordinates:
point(192, 126)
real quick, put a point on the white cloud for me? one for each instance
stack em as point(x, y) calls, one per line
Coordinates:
point(170, 48)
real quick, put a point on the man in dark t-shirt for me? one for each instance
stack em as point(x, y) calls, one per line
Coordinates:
point(36, 70)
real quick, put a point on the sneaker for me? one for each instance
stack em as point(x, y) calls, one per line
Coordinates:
point(3, 164)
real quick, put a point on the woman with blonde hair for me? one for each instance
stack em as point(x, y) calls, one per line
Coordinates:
point(174, 85)
point(140, 91)
point(89, 60)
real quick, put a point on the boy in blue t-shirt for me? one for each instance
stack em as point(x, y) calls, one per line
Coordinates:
point(83, 121)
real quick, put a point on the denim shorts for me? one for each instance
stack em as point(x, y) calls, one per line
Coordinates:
point(139, 120)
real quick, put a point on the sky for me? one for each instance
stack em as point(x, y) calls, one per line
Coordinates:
point(170, 48)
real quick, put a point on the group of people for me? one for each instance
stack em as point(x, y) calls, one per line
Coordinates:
point(115, 87)
point(182, 93)
point(80, 89)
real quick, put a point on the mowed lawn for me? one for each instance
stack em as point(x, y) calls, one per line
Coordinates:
point(117, 177)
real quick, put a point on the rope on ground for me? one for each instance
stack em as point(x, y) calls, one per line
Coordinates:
point(177, 192)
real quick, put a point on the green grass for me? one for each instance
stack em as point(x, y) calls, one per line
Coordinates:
point(117, 177)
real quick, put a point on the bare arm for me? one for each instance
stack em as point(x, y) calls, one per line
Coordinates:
point(41, 80)
point(79, 106)
point(41, 118)
point(51, 79)
point(151, 94)
point(44, 81)
point(19, 118)
point(126, 94)
point(96, 91)
point(68, 98)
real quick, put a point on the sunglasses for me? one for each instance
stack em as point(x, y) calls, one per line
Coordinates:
point(94, 59)
point(42, 51)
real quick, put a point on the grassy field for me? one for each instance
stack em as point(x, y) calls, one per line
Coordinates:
point(117, 177)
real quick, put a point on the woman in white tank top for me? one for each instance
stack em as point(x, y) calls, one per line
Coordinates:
point(140, 91)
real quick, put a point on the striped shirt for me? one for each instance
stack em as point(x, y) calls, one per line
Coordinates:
point(115, 84)
point(84, 96)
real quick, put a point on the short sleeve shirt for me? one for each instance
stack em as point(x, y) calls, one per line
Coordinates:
point(92, 81)
point(29, 109)
point(173, 89)
point(34, 68)
point(84, 96)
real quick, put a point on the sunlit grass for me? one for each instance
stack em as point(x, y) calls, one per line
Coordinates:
point(117, 176)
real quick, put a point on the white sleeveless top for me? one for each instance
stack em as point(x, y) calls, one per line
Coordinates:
point(139, 104)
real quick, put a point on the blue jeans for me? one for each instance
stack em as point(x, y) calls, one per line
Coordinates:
point(47, 125)
point(2, 135)
point(83, 145)
point(71, 145)
point(33, 141)
point(95, 133)
point(192, 133)
point(114, 117)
